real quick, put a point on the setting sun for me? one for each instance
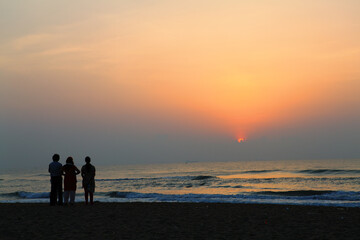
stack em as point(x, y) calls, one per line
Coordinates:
point(167, 81)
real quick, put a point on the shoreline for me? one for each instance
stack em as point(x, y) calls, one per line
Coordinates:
point(334, 204)
point(177, 221)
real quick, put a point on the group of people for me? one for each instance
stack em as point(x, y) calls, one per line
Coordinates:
point(69, 171)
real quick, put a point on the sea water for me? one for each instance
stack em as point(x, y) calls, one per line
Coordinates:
point(323, 183)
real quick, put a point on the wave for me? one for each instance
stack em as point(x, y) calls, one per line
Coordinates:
point(329, 171)
point(41, 175)
point(199, 177)
point(202, 177)
point(294, 195)
point(120, 179)
point(115, 194)
point(27, 195)
point(227, 186)
point(304, 171)
point(305, 197)
point(260, 171)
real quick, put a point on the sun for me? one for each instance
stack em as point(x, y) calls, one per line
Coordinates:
point(241, 139)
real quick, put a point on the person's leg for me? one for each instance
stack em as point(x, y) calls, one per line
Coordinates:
point(53, 193)
point(72, 197)
point(66, 197)
point(86, 195)
point(91, 197)
point(59, 191)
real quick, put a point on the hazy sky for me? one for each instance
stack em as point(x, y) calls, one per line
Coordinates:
point(175, 81)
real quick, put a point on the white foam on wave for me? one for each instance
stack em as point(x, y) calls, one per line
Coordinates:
point(208, 199)
point(26, 201)
point(344, 199)
point(333, 199)
point(32, 195)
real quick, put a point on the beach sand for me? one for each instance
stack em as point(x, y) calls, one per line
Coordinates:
point(177, 221)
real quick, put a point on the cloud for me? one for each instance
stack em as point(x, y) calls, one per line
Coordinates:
point(64, 50)
point(32, 40)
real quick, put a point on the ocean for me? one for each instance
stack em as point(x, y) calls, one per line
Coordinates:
point(321, 183)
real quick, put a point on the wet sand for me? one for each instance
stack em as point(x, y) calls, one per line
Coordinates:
point(177, 221)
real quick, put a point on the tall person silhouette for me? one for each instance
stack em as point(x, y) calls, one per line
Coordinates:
point(55, 170)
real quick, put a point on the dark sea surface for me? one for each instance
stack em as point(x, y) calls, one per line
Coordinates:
point(325, 182)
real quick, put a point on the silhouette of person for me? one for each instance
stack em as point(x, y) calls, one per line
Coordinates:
point(56, 181)
point(70, 171)
point(88, 182)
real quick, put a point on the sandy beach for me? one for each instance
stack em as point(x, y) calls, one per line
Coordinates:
point(177, 221)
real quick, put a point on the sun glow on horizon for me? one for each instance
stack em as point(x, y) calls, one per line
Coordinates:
point(232, 72)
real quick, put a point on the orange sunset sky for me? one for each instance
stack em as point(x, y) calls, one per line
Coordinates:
point(176, 81)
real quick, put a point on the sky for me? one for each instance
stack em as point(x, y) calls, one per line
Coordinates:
point(140, 81)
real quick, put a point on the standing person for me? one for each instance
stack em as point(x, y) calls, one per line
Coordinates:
point(70, 171)
point(88, 182)
point(56, 181)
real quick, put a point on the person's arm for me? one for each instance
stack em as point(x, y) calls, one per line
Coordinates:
point(82, 172)
point(77, 171)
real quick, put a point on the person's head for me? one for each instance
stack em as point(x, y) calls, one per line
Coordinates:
point(56, 157)
point(70, 160)
point(87, 159)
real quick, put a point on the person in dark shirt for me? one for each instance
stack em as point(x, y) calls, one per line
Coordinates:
point(56, 181)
